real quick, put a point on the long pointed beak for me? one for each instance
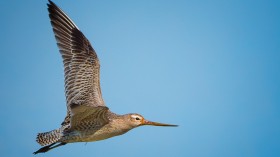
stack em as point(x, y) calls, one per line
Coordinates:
point(146, 122)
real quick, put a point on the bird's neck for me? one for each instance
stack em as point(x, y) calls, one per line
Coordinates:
point(120, 125)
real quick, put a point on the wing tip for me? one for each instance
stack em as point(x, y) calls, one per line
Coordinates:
point(50, 4)
point(55, 10)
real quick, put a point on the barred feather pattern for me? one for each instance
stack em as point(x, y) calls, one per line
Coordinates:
point(48, 138)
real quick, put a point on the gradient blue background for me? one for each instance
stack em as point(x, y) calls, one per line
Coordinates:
point(213, 67)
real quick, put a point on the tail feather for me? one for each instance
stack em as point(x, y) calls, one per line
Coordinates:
point(48, 138)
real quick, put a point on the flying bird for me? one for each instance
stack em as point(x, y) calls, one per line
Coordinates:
point(88, 119)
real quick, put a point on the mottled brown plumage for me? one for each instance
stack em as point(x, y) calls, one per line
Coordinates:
point(87, 119)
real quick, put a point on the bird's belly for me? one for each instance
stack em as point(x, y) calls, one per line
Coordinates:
point(97, 136)
point(92, 135)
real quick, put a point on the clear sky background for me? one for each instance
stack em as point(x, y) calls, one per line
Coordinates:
point(210, 66)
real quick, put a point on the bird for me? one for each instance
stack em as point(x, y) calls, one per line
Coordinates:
point(88, 119)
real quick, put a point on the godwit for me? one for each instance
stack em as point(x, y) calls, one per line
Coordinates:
point(88, 119)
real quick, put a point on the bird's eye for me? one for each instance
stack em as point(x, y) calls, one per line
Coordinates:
point(137, 118)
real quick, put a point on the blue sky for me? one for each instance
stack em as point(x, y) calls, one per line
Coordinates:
point(211, 67)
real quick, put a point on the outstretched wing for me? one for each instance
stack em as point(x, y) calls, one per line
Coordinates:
point(81, 64)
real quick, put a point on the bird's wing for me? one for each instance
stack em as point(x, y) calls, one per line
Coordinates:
point(81, 64)
point(86, 117)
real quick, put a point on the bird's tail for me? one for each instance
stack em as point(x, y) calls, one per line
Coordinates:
point(48, 138)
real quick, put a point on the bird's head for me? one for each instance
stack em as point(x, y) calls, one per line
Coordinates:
point(137, 120)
